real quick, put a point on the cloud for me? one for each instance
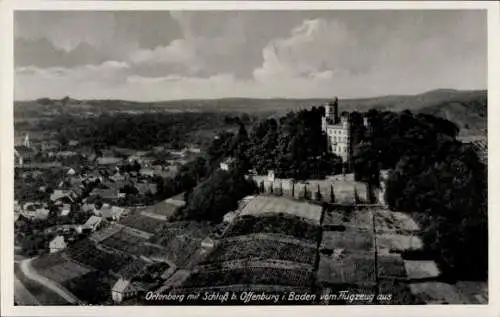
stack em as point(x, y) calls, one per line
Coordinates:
point(88, 37)
point(210, 54)
point(317, 48)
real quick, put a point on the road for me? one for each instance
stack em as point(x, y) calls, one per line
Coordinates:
point(30, 273)
point(22, 296)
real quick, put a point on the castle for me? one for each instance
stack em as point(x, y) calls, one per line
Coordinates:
point(338, 131)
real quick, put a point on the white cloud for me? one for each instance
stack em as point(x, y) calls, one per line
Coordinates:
point(316, 48)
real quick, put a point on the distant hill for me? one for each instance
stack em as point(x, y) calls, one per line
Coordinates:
point(468, 109)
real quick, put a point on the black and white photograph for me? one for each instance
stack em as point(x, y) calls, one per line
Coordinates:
point(249, 157)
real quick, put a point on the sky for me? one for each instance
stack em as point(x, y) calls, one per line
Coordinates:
point(167, 55)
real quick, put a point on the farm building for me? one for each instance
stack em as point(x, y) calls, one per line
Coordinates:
point(57, 244)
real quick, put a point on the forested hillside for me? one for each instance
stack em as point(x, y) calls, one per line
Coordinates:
point(437, 178)
point(467, 109)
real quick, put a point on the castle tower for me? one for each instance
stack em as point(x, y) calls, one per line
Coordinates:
point(338, 131)
point(336, 110)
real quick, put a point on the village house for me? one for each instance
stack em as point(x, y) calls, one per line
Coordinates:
point(42, 213)
point(122, 290)
point(65, 210)
point(51, 145)
point(108, 160)
point(207, 244)
point(147, 188)
point(227, 164)
point(87, 207)
point(147, 172)
point(92, 223)
point(17, 206)
point(111, 212)
point(60, 194)
point(73, 143)
point(229, 217)
point(116, 177)
point(65, 154)
point(57, 244)
point(109, 194)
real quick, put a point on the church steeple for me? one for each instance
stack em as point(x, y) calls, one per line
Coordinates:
point(27, 141)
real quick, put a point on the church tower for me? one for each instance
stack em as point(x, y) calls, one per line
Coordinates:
point(27, 141)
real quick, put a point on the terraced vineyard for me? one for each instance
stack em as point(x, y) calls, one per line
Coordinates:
point(263, 249)
point(279, 223)
point(251, 276)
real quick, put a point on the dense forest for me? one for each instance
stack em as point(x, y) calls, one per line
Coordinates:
point(143, 131)
point(437, 178)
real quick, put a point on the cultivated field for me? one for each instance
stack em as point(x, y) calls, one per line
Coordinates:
point(342, 217)
point(391, 267)
point(143, 223)
point(263, 205)
point(349, 239)
point(251, 276)
point(353, 268)
point(261, 248)
point(87, 253)
point(274, 223)
point(394, 222)
point(132, 244)
point(396, 243)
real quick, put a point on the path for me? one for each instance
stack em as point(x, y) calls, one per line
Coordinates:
point(30, 273)
point(22, 296)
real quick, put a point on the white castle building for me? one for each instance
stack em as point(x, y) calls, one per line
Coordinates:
point(338, 130)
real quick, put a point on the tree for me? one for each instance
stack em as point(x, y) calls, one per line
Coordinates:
point(216, 196)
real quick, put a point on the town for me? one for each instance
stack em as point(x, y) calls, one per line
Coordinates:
point(95, 227)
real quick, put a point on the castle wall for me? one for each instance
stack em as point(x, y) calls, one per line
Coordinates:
point(345, 191)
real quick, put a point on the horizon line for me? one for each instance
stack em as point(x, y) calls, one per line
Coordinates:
point(257, 98)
